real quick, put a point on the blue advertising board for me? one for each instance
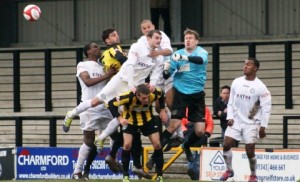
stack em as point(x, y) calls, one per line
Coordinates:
point(59, 163)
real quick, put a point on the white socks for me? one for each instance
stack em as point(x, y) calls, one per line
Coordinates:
point(228, 159)
point(252, 163)
point(82, 156)
point(111, 128)
point(83, 106)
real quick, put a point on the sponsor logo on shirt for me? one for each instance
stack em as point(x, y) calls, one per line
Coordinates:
point(97, 75)
point(243, 97)
point(144, 65)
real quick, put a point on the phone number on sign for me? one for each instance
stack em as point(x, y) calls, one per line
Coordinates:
point(271, 167)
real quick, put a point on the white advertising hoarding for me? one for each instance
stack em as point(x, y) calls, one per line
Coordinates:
point(278, 165)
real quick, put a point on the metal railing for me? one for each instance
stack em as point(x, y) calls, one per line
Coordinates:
point(52, 122)
point(215, 47)
point(215, 68)
point(286, 132)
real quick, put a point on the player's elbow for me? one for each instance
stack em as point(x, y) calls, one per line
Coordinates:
point(89, 84)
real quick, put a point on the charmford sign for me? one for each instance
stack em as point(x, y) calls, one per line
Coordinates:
point(58, 163)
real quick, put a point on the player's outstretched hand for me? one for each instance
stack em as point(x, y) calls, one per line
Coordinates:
point(179, 57)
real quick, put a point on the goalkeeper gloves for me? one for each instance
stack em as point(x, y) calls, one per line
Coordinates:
point(167, 66)
point(178, 57)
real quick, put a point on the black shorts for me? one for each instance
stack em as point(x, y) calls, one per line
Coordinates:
point(195, 104)
point(147, 129)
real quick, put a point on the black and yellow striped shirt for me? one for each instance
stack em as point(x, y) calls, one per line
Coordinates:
point(113, 55)
point(133, 111)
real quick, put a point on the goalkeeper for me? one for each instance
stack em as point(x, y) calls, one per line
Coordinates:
point(188, 82)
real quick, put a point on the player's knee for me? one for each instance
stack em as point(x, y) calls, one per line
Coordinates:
point(171, 129)
point(199, 133)
point(174, 124)
point(89, 143)
point(127, 146)
point(250, 153)
point(156, 146)
point(88, 138)
point(226, 146)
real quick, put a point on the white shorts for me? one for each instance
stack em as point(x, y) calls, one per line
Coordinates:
point(95, 118)
point(249, 133)
point(165, 85)
point(113, 88)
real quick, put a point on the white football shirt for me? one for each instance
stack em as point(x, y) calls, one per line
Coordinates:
point(243, 96)
point(139, 65)
point(94, 70)
point(164, 44)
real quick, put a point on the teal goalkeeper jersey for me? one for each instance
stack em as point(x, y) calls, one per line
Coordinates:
point(190, 78)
